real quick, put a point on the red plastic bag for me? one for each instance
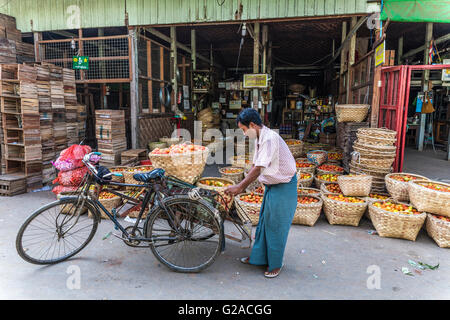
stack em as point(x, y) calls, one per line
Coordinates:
point(58, 189)
point(74, 152)
point(72, 177)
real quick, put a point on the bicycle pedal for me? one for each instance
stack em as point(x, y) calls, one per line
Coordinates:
point(106, 236)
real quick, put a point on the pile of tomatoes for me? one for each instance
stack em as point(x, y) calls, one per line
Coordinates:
point(215, 183)
point(106, 195)
point(396, 207)
point(259, 190)
point(233, 170)
point(301, 164)
point(331, 167)
point(435, 186)
point(343, 198)
point(293, 142)
point(377, 196)
point(306, 200)
point(328, 177)
point(252, 198)
point(179, 148)
point(304, 176)
point(333, 188)
point(403, 177)
point(443, 218)
point(335, 156)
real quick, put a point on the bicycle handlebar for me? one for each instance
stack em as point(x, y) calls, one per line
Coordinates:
point(87, 161)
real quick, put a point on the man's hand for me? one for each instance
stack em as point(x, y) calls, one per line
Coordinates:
point(234, 190)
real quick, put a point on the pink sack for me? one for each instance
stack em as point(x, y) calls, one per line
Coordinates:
point(58, 189)
point(72, 177)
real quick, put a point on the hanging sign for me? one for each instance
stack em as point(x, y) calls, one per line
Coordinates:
point(256, 80)
point(80, 63)
point(380, 54)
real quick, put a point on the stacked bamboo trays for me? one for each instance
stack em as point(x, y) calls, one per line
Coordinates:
point(187, 166)
point(399, 189)
point(295, 146)
point(111, 135)
point(396, 224)
point(81, 118)
point(252, 210)
point(355, 185)
point(374, 154)
point(351, 112)
point(70, 104)
point(237, 174)
point(438, 228)
point(343, 213)
point(307, 214)
point(225, 201)
point(58, 108)
point(346, 136)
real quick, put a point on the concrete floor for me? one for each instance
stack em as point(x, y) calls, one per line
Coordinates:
point(322, 262)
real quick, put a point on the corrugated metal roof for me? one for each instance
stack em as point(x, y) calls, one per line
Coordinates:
point(61, 14)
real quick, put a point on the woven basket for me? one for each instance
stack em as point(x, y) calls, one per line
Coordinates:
point(296, 149)
point(370, 200)
point(109, 204)
point(307, 214)
point(377, 149)
point(356, 186)
point(351, 112)
point(221, 190)
point(319, 182)
point(343, 213)
point(438, 230)
point(156, 144)
point(359, 168)
point(321, 171)
point(252, 188)
point(324, 189)
point(308, 191)
point(170, 141)
point(129, 176)
point(252, 210)
point(185, 166)
point(369, 153)
point(378, 133)
point(429, 200)
point(236, 177)
point(317, 157)
point(66, 208)
point(311, 169)
point(373, 161)
point(394, 224)
point(118, 170)
point(397, 189)
point(304, 182)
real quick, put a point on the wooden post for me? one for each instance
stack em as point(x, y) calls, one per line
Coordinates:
point(81, 51)
point(149, 74)
point(351, 61)
point(194, 50)
point(174, 61)
point(161, 70)
point(134, 89)
point(425, 78)
point(256, 62)
point(376, 92)
point(37, 51)
point(343, 36)
point(400, 50)
point(265, 38)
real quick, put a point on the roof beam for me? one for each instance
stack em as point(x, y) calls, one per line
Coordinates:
point(421, 48)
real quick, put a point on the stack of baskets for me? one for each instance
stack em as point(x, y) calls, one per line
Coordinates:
point(434, 198)
point(374, 154)
point(235, 174)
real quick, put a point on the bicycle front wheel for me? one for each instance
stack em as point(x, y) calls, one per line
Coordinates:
point(187, 241)
point(56, 232)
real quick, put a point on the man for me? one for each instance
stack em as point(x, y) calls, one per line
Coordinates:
point(274, 166)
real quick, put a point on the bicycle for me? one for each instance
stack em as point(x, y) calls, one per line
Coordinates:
point(184, 228)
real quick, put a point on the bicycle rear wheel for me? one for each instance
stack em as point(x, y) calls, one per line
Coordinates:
point(56, 232)
point(197, 242)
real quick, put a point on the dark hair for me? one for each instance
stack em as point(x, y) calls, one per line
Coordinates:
point(249, 115)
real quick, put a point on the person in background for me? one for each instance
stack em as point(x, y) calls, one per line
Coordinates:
point(274, 166)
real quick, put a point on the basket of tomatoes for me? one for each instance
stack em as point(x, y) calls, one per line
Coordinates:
point(304, 166)
point(430, 196)
point(343, 210)
point(329, 168)
point(295, 146)
point(308, 210)
point(120, 170)
point(218, 184)
point(397, 184)
point(375, 197)
point(259, 190)
point(129, 172)
point(233, 173)
point(308, 191)
point(304, 179)
point(438, 228)
point(330, 188)
point(249, 204)
point(109, 200)
point(317, 156)
point(325, 178)
point(357, 185)
point(184, 161)
point(394, 219)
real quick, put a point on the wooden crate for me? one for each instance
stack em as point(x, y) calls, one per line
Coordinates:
point(8, 71)
point(12, 184)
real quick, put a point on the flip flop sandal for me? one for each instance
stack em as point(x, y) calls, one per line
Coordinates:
point(245, 260)
point(271, 274)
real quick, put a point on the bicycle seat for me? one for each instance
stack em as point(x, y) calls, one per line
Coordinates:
point(149, 176)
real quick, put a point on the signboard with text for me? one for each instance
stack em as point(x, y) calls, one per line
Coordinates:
point(256, 81)
point(80, 63)
point(380, 54)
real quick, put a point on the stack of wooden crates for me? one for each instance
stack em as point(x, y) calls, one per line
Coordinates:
point(111, 135)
